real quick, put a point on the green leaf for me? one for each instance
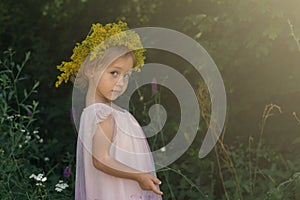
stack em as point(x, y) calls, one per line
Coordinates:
point(25, 93)
point(37, 83)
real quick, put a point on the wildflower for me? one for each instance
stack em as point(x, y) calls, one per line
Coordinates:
point(38, 178)
point(23, 131)
point(35, 131)
point(10, 118)
point(29, 114)
point(163, 149)
point(154, 86)
point(41, 140)
point(60, 186)
point(141, 98)
point(27, 138)
point(46, 159)
point(67, 172)
point(96, 43)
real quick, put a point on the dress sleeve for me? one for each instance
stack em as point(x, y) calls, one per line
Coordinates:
point(102, 112)
point(88, 123)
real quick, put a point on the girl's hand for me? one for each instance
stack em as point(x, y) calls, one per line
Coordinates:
point(148, 182)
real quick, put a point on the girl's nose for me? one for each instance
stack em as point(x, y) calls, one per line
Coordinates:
point(121, 81)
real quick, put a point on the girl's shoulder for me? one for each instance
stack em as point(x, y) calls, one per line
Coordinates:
point(101, 111)
point(97, 111)
point(123, 119)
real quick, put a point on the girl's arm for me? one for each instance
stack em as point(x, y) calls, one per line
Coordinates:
point(102, 160)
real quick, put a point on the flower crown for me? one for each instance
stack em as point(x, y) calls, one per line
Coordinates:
point(98, 40)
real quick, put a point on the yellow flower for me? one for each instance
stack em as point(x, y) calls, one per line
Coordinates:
point(100, 38)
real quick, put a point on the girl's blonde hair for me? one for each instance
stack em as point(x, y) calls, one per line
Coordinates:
point(110, 55)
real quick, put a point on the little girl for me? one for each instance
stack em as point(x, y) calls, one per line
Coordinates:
point(113, 160)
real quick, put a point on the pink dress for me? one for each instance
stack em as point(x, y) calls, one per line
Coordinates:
point(129, 146)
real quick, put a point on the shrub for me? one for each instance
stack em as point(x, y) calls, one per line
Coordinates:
point(25, 170)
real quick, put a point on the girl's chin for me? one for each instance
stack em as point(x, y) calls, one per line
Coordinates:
point(115, 95)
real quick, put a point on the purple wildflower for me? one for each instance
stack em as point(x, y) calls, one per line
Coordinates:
point(29, 114)
point(67, 172)
point(154, 86)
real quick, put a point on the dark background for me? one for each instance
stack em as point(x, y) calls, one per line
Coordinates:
point(254, 44)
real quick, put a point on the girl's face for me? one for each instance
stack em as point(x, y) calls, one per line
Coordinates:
point(114, 80)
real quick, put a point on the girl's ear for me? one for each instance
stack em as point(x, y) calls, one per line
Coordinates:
point(89, 72)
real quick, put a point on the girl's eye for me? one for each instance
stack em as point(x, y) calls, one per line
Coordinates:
point(126, 76)
point(114, 73)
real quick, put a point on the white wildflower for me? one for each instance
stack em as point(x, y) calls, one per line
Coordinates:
point(141, 98)
point(60, 186)
point(32, 176)
point(163, 149)
point(10, 118)
point(44, 179)
point(39, 178)
point(58, 189)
